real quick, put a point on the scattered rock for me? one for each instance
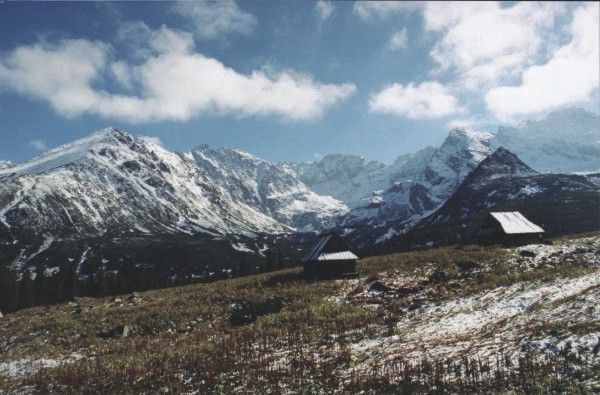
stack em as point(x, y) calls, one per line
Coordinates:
point(527, 254)
point(468, 265)
point(134, 297)
point(403, 291)
point(79, 311)
point(117, 333)
point(438, 276)
point(378, 286)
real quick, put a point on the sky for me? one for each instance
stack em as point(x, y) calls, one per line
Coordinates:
point(288, 81)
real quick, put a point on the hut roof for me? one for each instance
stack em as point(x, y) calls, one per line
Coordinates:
point(515, 223)
point(330, 247)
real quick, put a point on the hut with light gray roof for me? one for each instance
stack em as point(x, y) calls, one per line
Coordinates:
point(329, 257)
point(508, 228)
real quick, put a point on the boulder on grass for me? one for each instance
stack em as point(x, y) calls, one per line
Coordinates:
point(464, 266)
point(378, 286)
point(118, 333)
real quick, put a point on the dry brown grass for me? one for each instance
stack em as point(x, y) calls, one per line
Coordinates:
point(269, 333)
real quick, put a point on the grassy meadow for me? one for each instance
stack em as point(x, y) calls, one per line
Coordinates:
point(279, 333)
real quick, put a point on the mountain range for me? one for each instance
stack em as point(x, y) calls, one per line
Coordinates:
point(503, 179)
point(112, 185)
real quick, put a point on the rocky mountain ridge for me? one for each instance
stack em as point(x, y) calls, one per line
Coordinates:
point(502, 179)
point(110, 183)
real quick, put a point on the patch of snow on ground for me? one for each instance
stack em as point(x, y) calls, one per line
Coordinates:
point(531, 190)
point(388, 235)
point(490, 323)
point(24, 367)
point(241, 247)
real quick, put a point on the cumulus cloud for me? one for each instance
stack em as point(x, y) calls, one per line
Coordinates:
point(486, 41)
point(61, 73)
point(39, 145)
point(212, 19)
point(475, 121)
point(429, 99)
point(369, 10)
point(570, 76)
point(172, 82)
point(324, 10)
point(399, 40)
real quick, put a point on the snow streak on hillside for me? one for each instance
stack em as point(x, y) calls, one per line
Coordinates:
point(493, 323)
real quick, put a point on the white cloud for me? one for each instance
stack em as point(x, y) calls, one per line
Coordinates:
point(486, 41)
point(570, 76)
point(62, 74)
point(473, 122)
point(324, 10)
point(430, 99)
point(212, 19)
point(399, 40)
point(151, 139)
point(173, 83)
point(369, 10)
point(39, 145)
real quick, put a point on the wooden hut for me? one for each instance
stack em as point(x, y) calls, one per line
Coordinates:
point(508, 228)
point(329, 257)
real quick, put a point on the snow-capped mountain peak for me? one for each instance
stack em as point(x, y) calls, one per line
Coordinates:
point(476, 142)
point(71, 153)
point(112, 183)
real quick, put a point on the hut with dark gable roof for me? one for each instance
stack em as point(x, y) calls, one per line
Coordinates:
point(508, 228)
point(329, 257)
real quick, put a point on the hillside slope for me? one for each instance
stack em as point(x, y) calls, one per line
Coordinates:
point(471, 320)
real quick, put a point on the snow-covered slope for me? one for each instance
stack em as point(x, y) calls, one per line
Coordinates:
point(273, 189)
point(112, 183)
point(348, 178)
point(565, 141)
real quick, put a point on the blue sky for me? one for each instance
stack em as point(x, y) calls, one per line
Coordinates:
point(288, 81)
